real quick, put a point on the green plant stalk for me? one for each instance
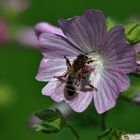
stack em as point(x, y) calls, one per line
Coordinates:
point(103, 121)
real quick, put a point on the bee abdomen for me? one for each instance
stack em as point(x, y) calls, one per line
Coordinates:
point(70, 90)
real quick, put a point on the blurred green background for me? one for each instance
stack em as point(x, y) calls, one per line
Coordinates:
point(20, 93)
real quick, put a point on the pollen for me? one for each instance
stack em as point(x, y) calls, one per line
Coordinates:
point(97, 61)
point(89, 68)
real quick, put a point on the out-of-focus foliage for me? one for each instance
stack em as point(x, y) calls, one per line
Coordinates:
point(134, 86)
point(7, 95)
point(110, 23)
point(52, 121)
point(132, 31)
point(110, 134)
point(138, 55)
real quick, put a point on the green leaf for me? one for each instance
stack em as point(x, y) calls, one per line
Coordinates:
point(132, 29)
point(49, 127)
point(58, 123)
point(110, 134)
point(138, 55)
point(132, 32)
point(38, 127)
point(44, 128)
point(48, 114)
point(134, 86)
point(53, 121)
point(110, 23)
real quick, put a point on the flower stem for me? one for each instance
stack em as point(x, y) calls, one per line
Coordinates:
point(73, 131)
point(103, 121)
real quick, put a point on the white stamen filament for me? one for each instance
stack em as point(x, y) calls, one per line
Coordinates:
point(98, 64)
point(98, 61)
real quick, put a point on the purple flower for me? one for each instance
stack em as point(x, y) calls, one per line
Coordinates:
point(46, 27)
point(137, 50)
point(33, 120)
point(16, 5)
point(26, 36)
point(111, 55)
point(3, 31)
point(137, 47)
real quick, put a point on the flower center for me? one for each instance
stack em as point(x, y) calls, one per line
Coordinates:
point(97, 61)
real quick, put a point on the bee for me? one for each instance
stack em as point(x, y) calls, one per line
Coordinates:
point(75, 73)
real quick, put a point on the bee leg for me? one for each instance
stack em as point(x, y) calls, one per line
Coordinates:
point(67, 72)
point(68, 62)
point(62, 76)
point(90, 85)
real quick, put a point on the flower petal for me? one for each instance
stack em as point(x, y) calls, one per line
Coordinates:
point(44, 27)
point(51, 67)
point(117, 52)
point(137, 47)
point(109, 84)
point(119, 78)
point(57, 46)
point(81, 101)
point(87, 31)
point(54, 89)
point(102, 104)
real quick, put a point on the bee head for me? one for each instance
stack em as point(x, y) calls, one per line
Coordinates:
point(82, 57)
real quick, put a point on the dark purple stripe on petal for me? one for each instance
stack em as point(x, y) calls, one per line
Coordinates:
point(87, 31)
point(55, 90)
point(49, 68)
point(117, 52)
point(137, 47)
point(110, 84)
point(57, 46)
point(81, 102)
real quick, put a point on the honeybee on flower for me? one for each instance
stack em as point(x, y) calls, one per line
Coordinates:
point(110, 54)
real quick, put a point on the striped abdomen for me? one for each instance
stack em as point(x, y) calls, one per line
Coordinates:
point(72, 84)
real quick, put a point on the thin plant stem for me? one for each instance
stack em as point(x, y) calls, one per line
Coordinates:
point(103, 121)
point(73, 131)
